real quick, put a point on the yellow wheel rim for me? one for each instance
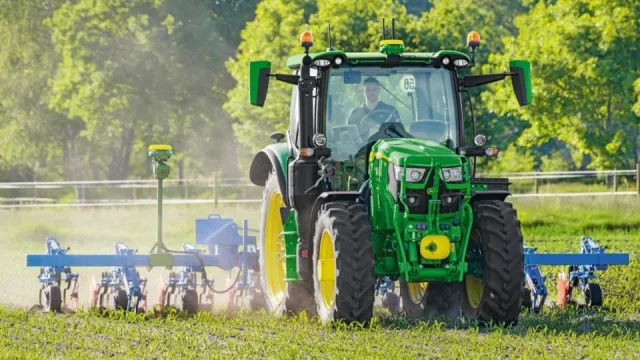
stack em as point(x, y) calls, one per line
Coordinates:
point(327, 269)
point(274, 248)
point(473, 286)
point(417, 291)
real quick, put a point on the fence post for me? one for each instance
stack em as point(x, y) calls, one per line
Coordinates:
point(535, 181)
point(638, 179)
point(215, 189)
point(615, 180)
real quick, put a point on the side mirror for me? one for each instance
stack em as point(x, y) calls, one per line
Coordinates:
point(259, 72)
point(521, 81)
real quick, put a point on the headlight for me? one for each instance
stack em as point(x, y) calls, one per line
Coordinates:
point(413, 174)
point(452, 174)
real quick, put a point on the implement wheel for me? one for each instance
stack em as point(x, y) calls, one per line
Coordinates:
point(280, 296)
point(344, 267)
point(430, 300)
point(190, 301)
point(497, 240)
point(592, 295)
point(54, 299)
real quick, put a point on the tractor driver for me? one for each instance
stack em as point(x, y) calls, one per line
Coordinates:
point(372, 112)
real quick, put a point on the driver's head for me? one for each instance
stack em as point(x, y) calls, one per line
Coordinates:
point(371, 89)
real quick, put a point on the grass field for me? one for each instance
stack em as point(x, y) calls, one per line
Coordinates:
point(551, 225)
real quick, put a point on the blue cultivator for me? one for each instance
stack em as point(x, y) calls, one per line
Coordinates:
point(123, 284)
point(221, 236)
point(51, 279)
point(582, 269)
point(126, 286)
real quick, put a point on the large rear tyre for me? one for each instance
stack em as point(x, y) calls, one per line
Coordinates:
point(280, 296)
point(496, 240)
point(430, 300)
point(344, 266)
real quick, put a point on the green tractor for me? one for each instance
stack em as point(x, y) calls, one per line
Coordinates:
point(374, 181)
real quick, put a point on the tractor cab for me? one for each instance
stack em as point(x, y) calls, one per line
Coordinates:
point(367, 104)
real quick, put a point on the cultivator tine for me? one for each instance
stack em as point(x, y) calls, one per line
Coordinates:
point(142, 302)
point(93, 293)
point(230, 295)
point(73, 296)
point(563, 290)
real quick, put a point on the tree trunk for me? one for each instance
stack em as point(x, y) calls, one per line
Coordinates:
point(119, 169)
point(73, 162)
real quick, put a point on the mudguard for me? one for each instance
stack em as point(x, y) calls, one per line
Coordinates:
point(271, 158)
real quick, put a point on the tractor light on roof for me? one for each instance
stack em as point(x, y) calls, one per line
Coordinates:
point(473, 39)
point(446, 61)
point(480, 139)
point(320, 140)
point(461, 63)
point(338, 60)
point(306, 39)
point(322, 63)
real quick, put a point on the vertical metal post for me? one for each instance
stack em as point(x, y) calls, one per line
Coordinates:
point(215, 189)
point(638, 179)
point(245, 233)
point(615, 180)
point(535, 182)
point(159, 237)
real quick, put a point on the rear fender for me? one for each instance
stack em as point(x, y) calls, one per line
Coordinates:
point(272, 158)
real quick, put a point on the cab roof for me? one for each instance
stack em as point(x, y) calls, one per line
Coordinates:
point(356, 58)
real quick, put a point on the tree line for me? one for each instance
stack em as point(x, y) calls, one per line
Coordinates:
point(87, 85)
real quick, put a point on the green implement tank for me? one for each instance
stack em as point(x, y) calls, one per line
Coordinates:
point(374, 179)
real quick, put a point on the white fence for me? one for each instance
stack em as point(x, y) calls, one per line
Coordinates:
point(240, 190)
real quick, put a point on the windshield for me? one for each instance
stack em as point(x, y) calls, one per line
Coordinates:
point(359, 100)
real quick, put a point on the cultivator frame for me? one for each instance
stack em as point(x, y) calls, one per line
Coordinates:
point(51, 280)
point(124, 283)
point(582, 269)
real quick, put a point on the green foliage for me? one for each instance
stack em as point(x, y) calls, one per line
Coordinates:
point(273, 36)
point(96, 82)
point(554, 162)
point(583, 71)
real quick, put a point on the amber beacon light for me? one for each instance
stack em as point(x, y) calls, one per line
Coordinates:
point(473, 39)
point(306, 39)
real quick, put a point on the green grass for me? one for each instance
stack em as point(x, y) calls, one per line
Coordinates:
point(82, 336)
point(551, 225)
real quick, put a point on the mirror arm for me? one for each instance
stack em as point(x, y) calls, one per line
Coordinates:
point(290, 79)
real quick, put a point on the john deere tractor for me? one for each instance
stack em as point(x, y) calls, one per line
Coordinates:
point(374, 181)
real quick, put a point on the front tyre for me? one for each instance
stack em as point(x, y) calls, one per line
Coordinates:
point(495, 248)
point(344, 266)
point(279, 296)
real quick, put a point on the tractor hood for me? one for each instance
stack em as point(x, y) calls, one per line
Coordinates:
point(415, 152)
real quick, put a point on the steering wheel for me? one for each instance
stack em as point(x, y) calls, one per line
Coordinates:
point(383, 133)
point(431, 129)
point(367, 121)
